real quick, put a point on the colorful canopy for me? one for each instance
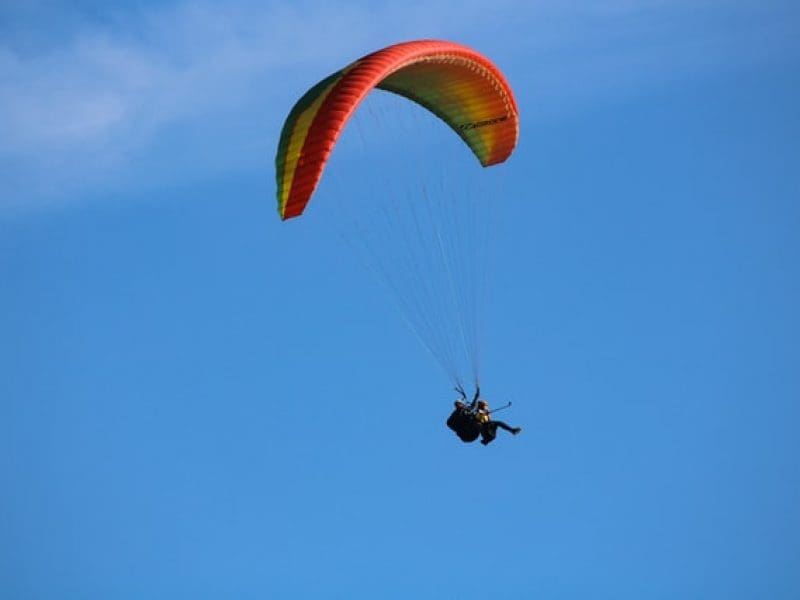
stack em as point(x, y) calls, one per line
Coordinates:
point(460, 86)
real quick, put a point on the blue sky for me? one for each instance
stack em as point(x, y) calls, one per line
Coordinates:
point(197, 400)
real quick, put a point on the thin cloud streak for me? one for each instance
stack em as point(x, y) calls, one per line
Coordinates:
point(104, 96)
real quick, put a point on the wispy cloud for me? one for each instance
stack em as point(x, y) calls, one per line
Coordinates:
point(103, 98)
point(98, 100)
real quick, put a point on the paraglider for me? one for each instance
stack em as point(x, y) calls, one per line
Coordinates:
point(469, 421)
point(488, 426)
point(463, 420)
point(471, 96)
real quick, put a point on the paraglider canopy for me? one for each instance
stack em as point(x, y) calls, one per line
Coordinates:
point(459, 85)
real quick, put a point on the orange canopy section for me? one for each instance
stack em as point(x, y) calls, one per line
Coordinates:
point(459, 85)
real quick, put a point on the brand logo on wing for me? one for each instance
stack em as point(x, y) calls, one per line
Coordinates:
point(484, 123)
